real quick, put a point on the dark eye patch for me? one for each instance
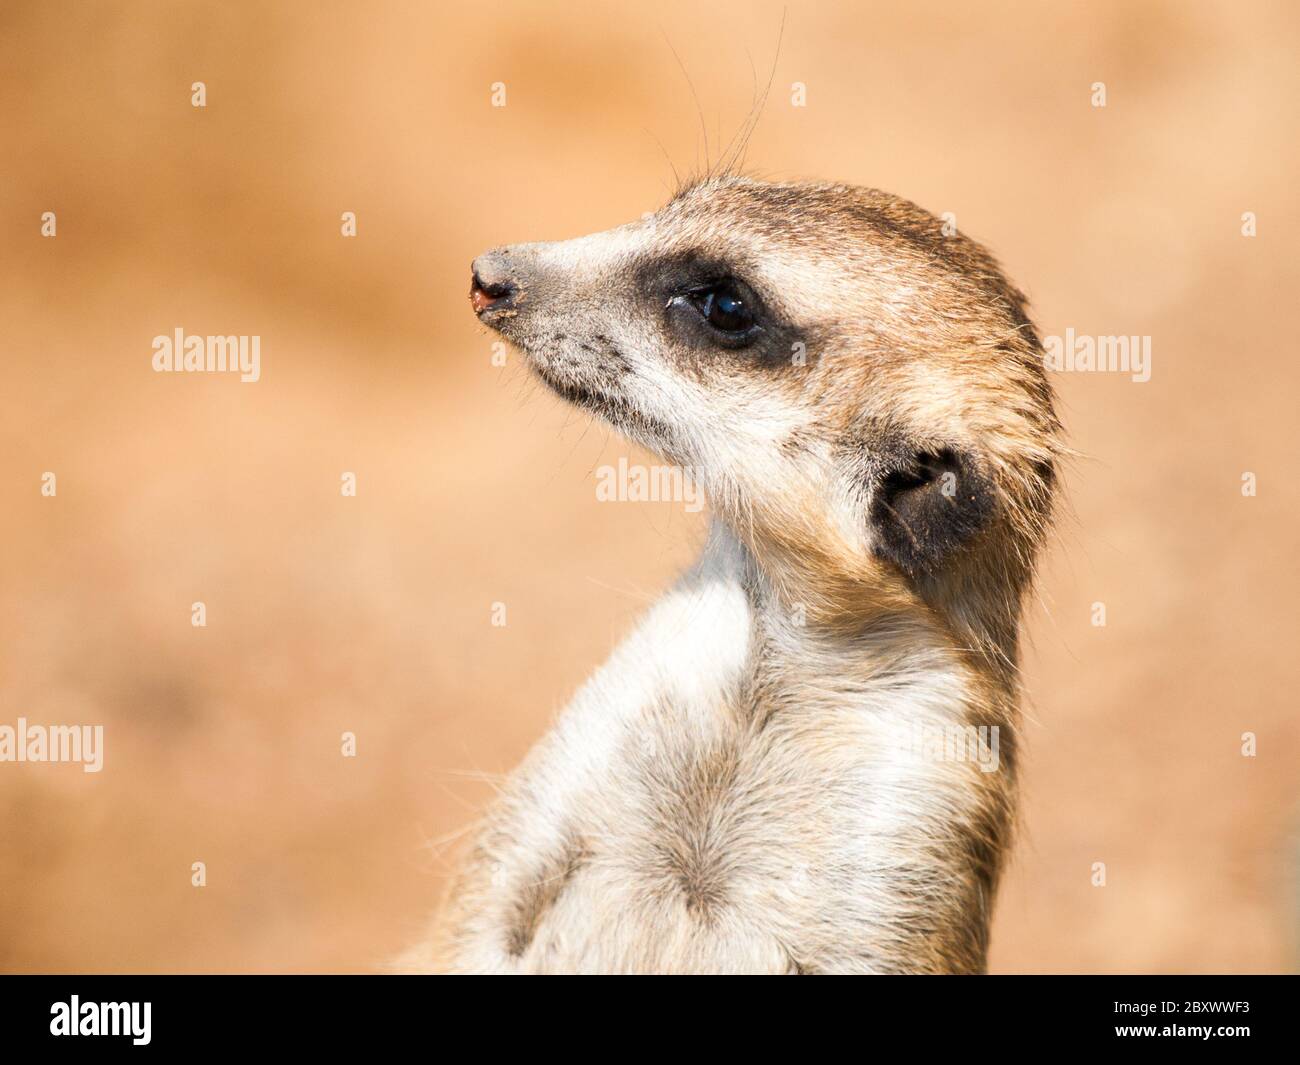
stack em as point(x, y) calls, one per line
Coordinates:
point(709, 307)
point(664, 276)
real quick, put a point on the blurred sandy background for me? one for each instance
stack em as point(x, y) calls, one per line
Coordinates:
point(371, 614)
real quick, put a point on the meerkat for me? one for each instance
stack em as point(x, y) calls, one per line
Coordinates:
point(747, 784)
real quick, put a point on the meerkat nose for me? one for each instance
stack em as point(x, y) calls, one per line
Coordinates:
point(491, 288)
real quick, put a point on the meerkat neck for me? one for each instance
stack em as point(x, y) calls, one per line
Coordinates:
point(827, 595)
point(802, 608)
point(810, 643)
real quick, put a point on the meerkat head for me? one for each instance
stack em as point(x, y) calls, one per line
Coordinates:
point(859, 393)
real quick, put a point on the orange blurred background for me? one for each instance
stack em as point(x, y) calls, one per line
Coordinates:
point(371, 614)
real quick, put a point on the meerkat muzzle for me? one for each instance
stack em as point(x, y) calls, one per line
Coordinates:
point(491, 287)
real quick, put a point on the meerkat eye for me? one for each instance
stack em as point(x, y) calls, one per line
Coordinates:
point(725, 307)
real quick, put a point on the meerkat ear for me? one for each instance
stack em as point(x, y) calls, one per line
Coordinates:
point(926, 506)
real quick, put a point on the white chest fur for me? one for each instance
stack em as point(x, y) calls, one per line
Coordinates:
point(707, 804)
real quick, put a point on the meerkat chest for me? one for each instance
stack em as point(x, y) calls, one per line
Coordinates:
point(668, 823)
